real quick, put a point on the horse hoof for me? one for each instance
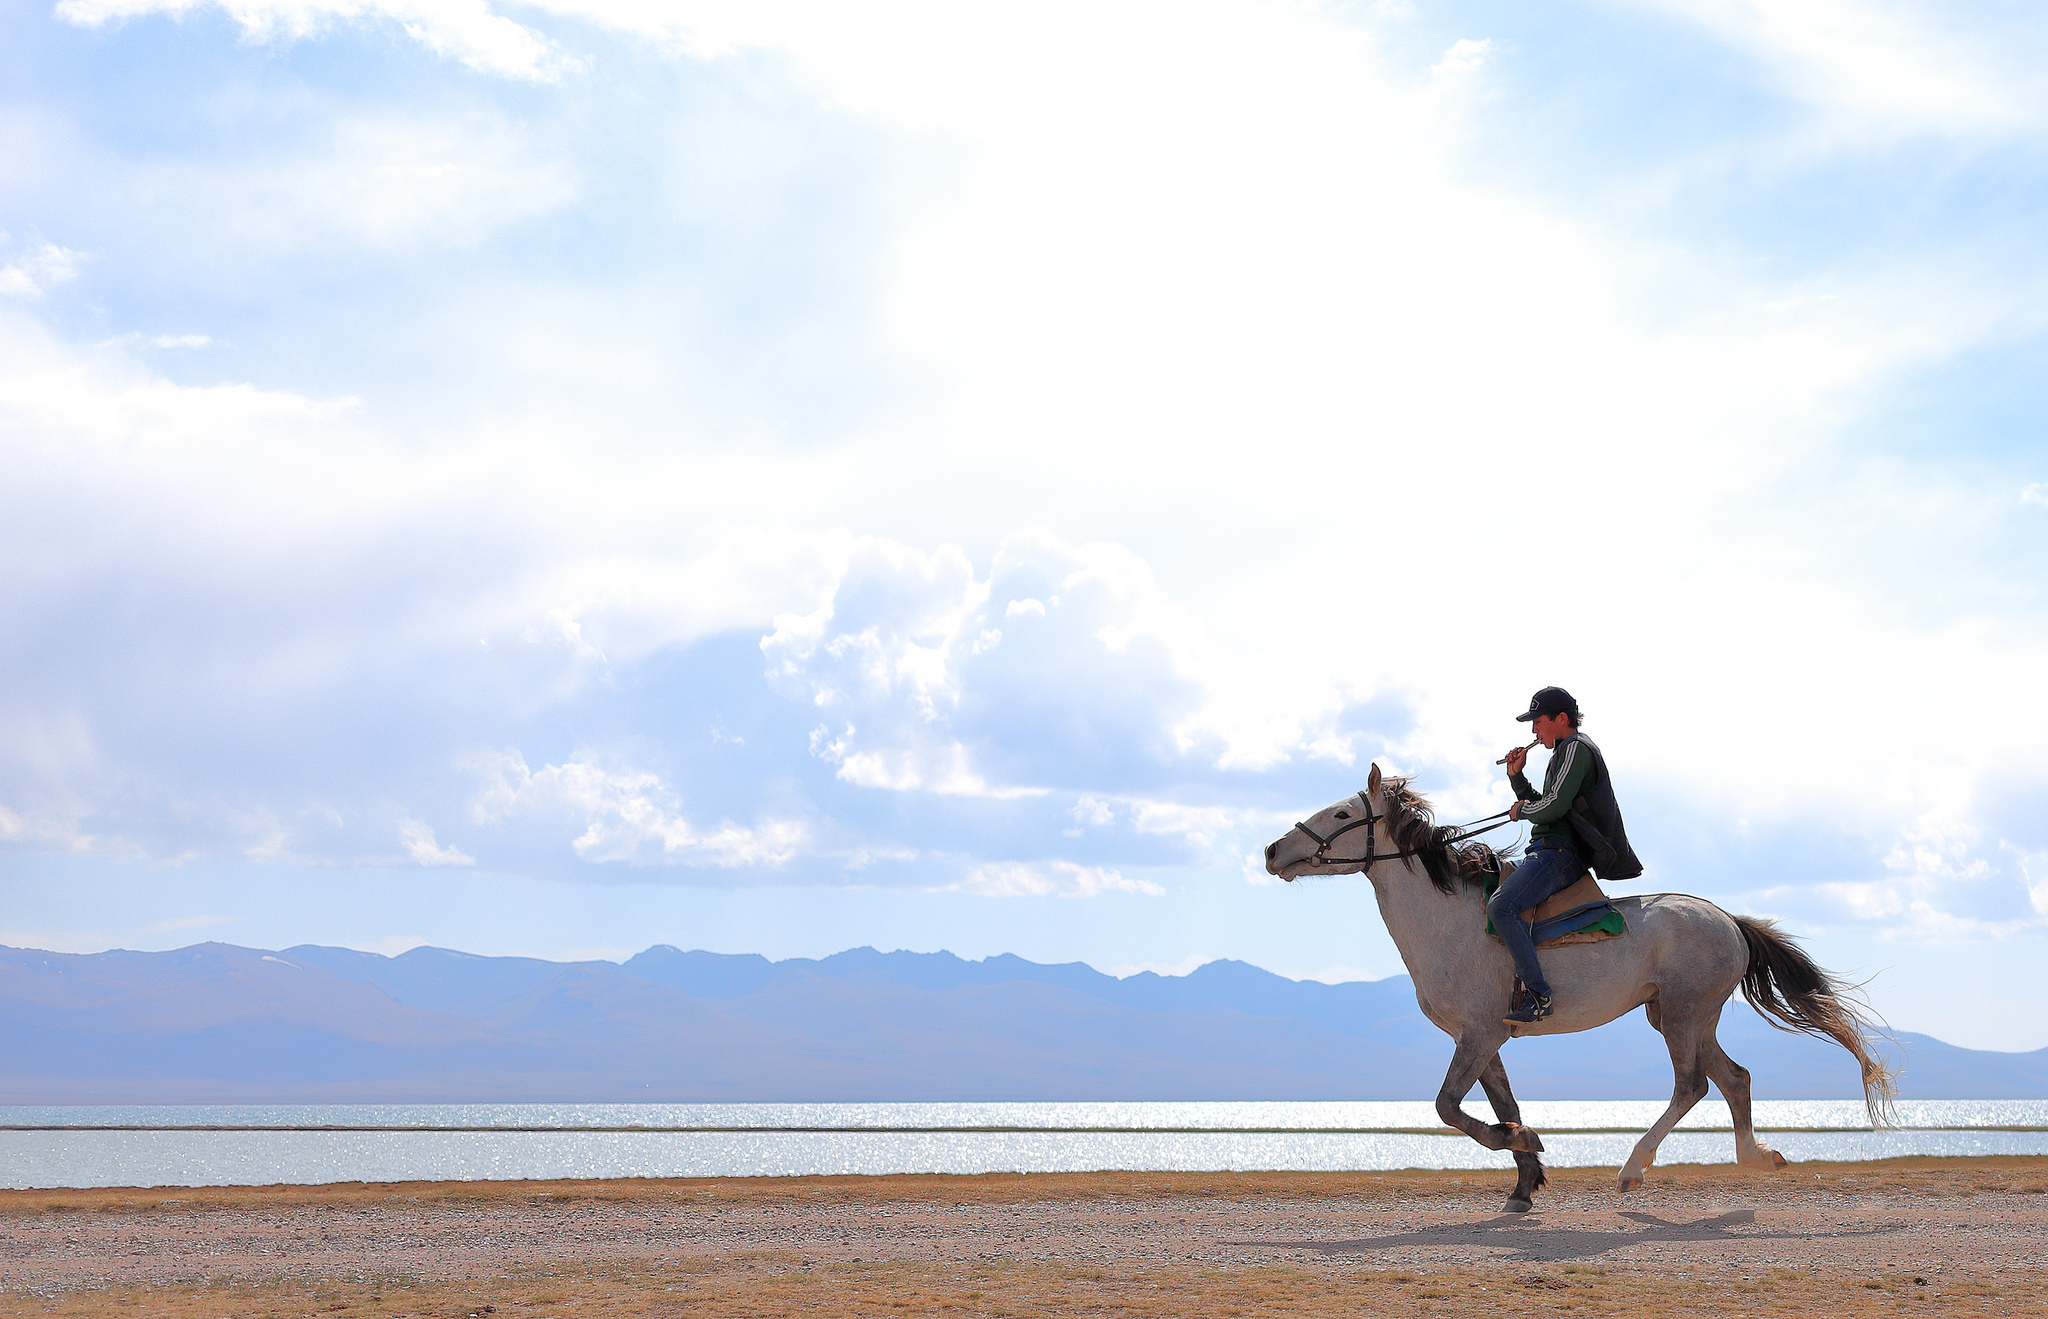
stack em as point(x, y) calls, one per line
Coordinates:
point(1515, 1207)
point(1628, 1182)
point(1522, 1140)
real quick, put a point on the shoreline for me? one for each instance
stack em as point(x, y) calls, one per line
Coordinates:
point(1904, 1173)
point(1895, 1168)
point(873, 1130)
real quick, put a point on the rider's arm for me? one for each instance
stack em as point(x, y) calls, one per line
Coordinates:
point(1520, 783)
point(1557, 801)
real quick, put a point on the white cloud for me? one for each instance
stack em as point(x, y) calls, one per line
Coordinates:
point(56, 829)
point(1884, 65)
point(2036, 493)
point(1199, 825)
point(133, 337)
point(37, 272)
point(628, 815)
point(2033, 867)
point(867, 856)
point(1264, 331)
point(284, 532)
point(1090, 810)
point(710, 577)
point(421, 846)
point(374, 180)
point(1464, 59)
point(916, 606)
point(934, 683)
point(943, 769)
point(1063, 879)
point(49, 389)
point(466, 30)
point(942, 66)
point(1939, 844)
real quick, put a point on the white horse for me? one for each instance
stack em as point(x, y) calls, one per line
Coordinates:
point(1682, 958)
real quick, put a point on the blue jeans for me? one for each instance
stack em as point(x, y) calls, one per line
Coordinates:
point(1548, 866)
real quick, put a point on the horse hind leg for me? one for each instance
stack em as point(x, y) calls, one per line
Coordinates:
point(1528, 1163)
point(1733, 1078)
point(1682, 1037)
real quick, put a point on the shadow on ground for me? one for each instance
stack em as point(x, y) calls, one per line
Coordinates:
point(1528, 1238)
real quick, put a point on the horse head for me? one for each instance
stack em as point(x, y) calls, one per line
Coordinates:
point(1337, 840)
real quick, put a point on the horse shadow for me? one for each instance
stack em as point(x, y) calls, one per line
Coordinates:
point(1532, 1241)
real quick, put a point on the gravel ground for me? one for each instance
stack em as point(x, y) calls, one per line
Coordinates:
point(1926, 1217)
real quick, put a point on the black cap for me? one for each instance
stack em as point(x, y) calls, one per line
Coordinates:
point(1551, 700)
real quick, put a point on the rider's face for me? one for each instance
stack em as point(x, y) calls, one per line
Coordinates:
point(1550, 727)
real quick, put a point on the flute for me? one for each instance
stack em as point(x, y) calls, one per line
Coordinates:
point(1531, 747)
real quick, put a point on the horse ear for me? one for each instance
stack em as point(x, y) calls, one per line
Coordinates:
point(1372, 780)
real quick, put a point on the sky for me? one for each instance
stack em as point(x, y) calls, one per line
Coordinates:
point(556, 478)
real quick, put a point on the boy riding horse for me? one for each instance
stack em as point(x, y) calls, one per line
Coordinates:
point(1577, 825)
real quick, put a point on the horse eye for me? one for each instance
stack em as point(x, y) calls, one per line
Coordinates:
point(1343, 815)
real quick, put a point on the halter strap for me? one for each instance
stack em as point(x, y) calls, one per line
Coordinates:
point(1456, 834)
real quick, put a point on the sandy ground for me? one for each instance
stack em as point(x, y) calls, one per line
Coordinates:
point(1960, 1235)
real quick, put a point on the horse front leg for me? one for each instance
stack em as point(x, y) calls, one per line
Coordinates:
point(1528, 1164)
point(1473, 1053)
point(1682, 1036)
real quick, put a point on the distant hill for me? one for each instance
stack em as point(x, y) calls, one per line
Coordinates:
point(215, 1023)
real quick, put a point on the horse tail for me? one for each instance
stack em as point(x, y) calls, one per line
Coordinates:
point(1792, 993)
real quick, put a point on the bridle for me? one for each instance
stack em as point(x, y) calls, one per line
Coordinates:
point(1453, 835)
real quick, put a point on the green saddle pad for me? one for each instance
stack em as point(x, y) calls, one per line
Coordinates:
point(1596, 922)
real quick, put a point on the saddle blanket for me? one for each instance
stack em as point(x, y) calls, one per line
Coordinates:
point(1577, 913)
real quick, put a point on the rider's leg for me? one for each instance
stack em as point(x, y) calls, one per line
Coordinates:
point(1545, 869)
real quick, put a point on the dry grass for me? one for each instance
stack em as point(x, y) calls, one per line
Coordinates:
point(1932, 1177)
point(765, 1286)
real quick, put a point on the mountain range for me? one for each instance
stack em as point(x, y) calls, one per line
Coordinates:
point(216, 1023)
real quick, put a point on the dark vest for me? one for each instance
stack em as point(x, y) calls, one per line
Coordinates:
point(1595, 818)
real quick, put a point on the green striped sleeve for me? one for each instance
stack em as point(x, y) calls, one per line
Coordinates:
point(1562, 788)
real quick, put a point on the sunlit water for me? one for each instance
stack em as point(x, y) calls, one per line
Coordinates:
point(228, 1145)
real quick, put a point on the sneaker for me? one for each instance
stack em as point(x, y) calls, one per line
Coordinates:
point(1527, 1011)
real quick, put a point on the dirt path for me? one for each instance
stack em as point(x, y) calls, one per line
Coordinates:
point(1973, 1232)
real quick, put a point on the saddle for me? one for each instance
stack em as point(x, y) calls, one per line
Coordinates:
point(1577, 913)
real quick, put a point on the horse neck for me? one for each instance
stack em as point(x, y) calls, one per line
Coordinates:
point(1434, 931)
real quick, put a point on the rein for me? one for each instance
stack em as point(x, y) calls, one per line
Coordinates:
point(1453, 835)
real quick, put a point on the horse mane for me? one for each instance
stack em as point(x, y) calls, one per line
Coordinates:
point(1411, 824)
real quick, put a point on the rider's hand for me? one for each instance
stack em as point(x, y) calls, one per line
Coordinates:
point(1517, 758)
point(1515, 811)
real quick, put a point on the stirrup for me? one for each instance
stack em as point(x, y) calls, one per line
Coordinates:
point(1530, 1010)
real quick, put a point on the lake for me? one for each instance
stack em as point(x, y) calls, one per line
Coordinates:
point(230, 1145)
